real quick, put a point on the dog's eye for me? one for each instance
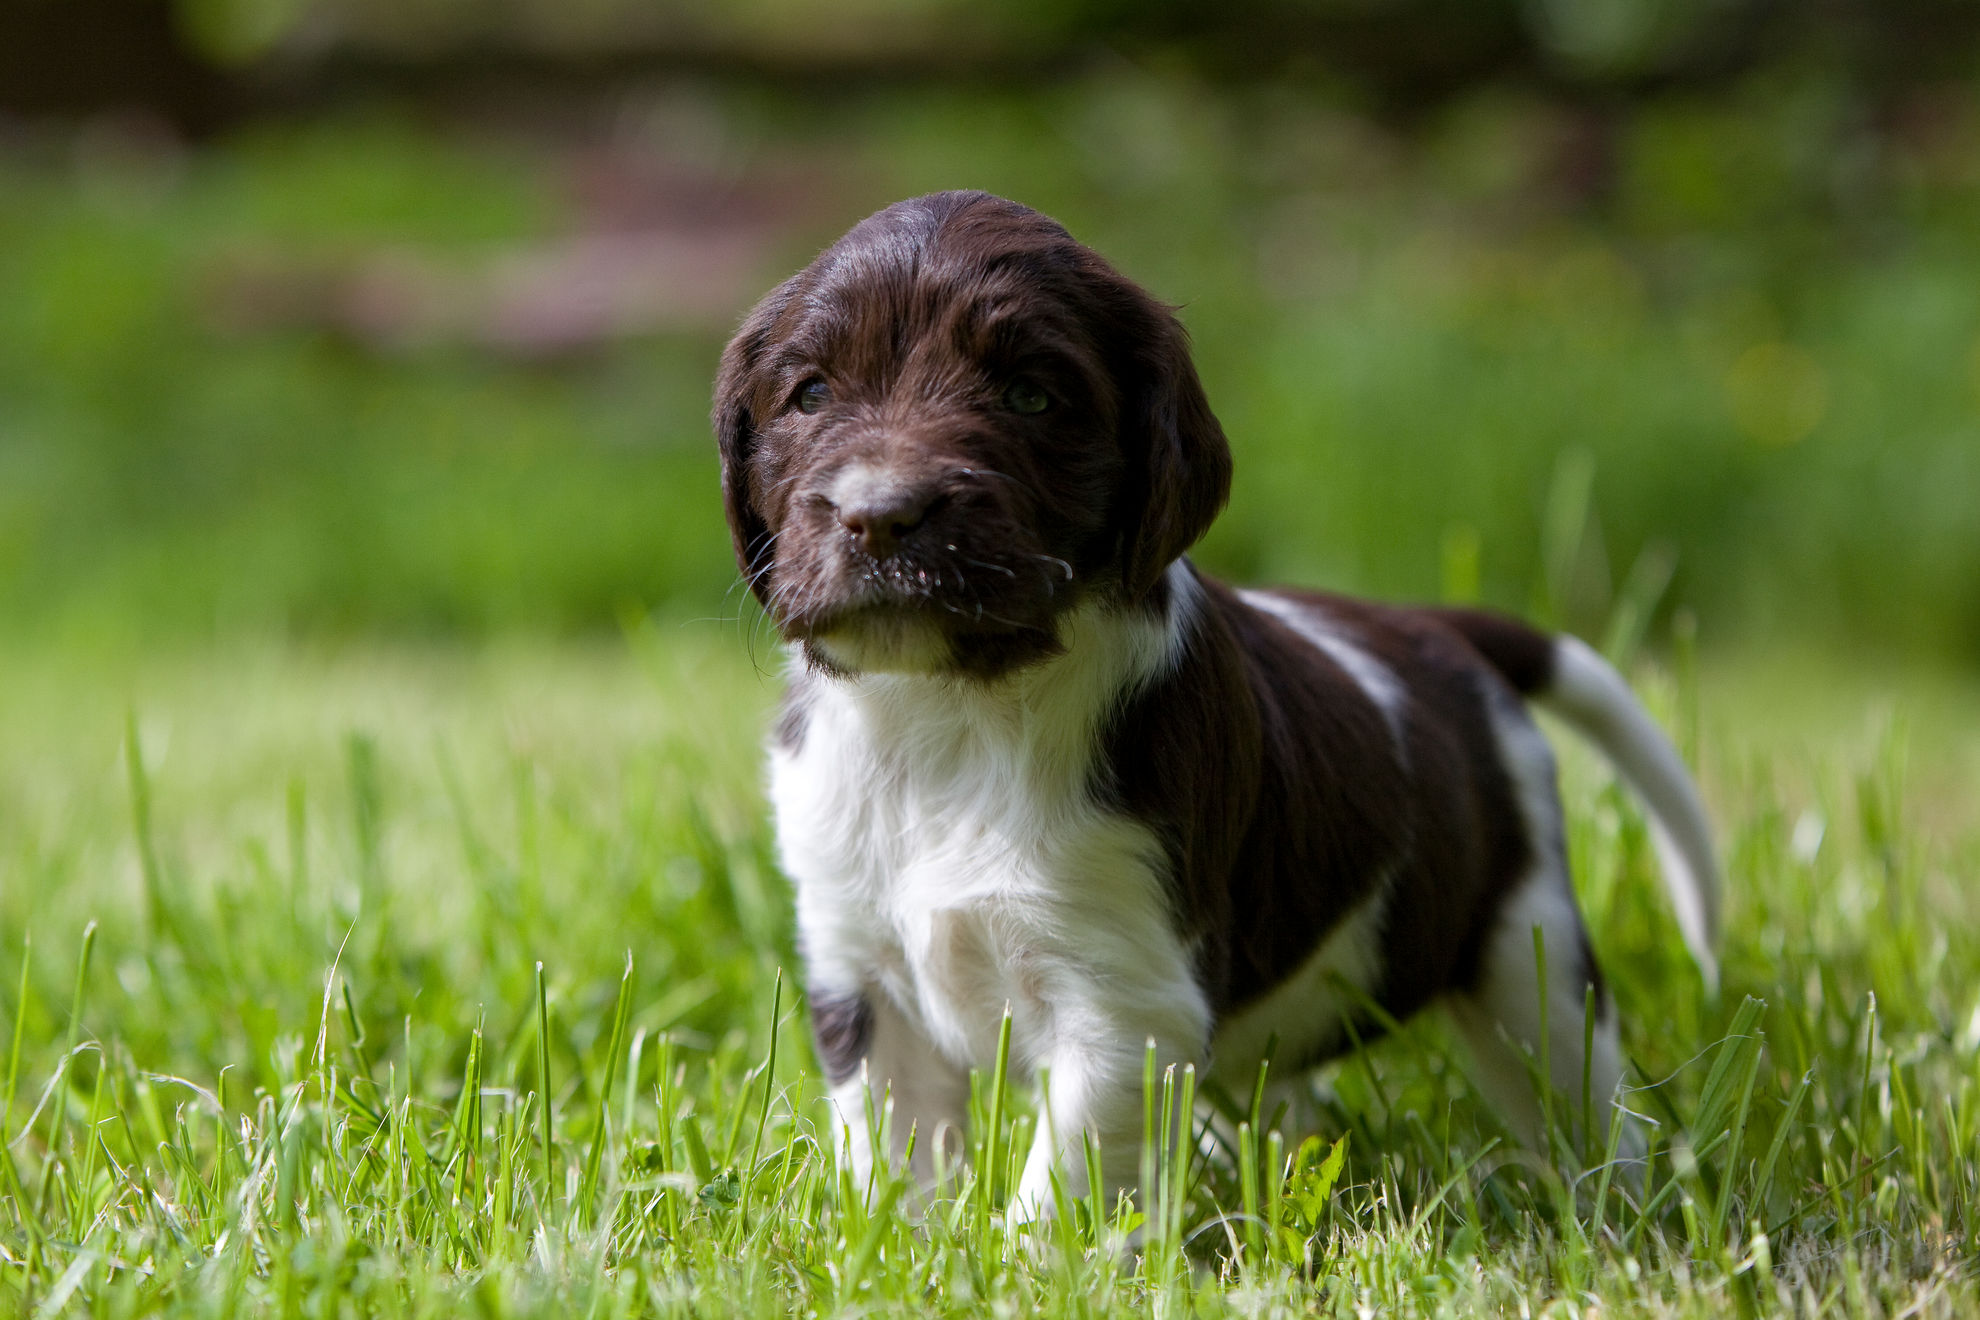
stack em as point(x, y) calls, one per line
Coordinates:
point(813, 395)
point(1026, 396)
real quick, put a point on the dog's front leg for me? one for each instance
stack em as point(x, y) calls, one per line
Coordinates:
point(889, 1085)
point(1083, 1097)
point(1093, 1090)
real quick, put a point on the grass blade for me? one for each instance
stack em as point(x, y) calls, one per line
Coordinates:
point(594, 1156)
point(543, 1076)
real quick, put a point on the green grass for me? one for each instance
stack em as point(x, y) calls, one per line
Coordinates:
point(319, 877)
point(317, 1001)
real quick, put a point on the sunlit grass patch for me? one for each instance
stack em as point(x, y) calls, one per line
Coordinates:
point(436, 983)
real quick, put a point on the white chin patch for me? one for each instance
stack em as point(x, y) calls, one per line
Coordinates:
point(882, 645)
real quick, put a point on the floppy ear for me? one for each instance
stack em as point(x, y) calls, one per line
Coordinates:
point(735, 437)
point(1179, 464)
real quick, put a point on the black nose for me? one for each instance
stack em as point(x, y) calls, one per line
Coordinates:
point(879, 519)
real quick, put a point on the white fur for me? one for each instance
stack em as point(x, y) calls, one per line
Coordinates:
point(1510, 1013)
point(1307, 1009)
point(1501, 1021)
point(879, 644)
point(1592, 698)
point(950, 858)
point(861, 483)
point(1312, 623)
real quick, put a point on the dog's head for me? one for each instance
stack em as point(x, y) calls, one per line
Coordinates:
point(953, 426)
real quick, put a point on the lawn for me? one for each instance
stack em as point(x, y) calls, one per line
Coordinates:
point(394, 980)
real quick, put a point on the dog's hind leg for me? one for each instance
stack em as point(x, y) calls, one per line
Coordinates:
point(1526, 1019)
point(1525, 1015)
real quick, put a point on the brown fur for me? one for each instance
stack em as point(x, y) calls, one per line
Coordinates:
point(917, 319)
point(1279, 788)
point(1283, 798)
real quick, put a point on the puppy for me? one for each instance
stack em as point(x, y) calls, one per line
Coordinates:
point(1030, 756)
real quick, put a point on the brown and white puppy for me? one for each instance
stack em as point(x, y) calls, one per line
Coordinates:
point(1030, 756)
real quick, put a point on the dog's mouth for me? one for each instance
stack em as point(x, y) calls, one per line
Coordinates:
point(969, 589)
point(880, 640)
point(876, 626)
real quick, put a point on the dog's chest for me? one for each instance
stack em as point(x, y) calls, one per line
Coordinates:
point(953, 853)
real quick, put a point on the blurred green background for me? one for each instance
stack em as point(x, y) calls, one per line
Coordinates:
point(336, 317)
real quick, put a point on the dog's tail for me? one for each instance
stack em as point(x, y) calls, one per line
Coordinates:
point(1565, 676)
